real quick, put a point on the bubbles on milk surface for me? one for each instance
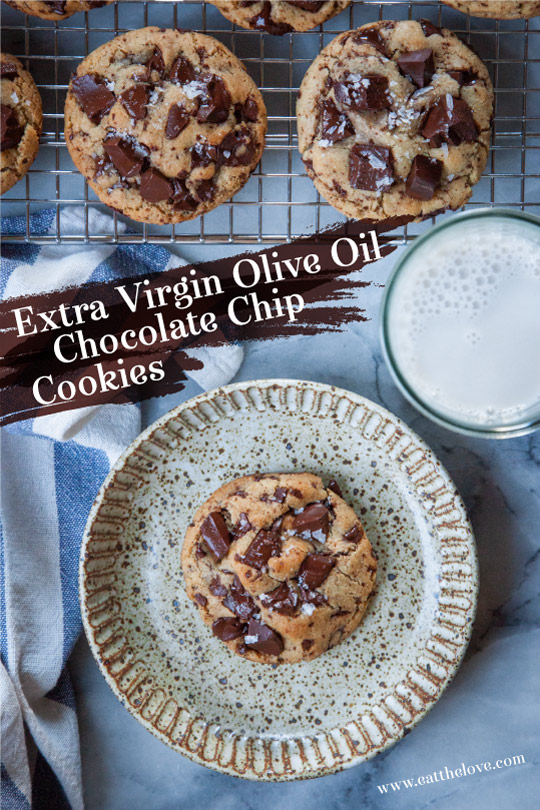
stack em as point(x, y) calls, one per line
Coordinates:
point(464, 321)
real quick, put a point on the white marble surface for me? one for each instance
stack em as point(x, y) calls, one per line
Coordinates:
point(489, 712)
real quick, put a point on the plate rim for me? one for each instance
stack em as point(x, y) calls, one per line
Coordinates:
point(308, 772)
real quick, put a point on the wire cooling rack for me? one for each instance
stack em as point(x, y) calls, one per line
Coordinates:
point(279, 202)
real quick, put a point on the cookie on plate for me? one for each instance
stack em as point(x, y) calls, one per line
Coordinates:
point(165, 125)
point(280, 16)
point(21, 121)
point(497, 9)
point(55, 9)
point(279, 566)
point(395, 119)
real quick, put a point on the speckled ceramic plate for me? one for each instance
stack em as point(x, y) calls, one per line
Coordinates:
point(300, 720)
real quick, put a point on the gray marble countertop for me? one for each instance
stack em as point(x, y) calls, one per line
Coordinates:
point(489, 712)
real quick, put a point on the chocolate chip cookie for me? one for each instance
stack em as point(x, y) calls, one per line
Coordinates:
point(165, 125)
point(280, 16)
point(279, 566)
point(395, 119)
point(21, 121)
point(497, 9)
point(55, 9)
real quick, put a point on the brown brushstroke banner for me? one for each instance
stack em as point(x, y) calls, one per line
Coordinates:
point(70, 341)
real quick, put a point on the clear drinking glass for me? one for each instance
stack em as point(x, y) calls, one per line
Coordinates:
point(477, 223)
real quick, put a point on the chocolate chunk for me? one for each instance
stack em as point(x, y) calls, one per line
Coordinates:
point(202, 53)
point(156, 62)
point(227, 628)
point(263, 21)
point(243, 526)
point(450, 120)
point(155, 187)
point(437, 122)
point(335, 125)
point(457, 75)
point(202, 600)
point(248, 111)
point(216, 535)
point(424, 177)
point(215, 101)
point(371, 167)
point(262, 638)
point(199, 551)
point(177, 121)
point(307, 5)
point(371, 36)
point(239, 601)
point(315, 569)
point(217, 587)
point(334, 486)
point(312, 597)
point(312, 522)
point(463, 127)
point(57, 6)
point(128, 157)
point(237, 148)
point(205, 190)
point(182, 71)
point(181, 198)
point(12, 132)
point(282, 599)
point(276, 525)
point(280, 493)
point(358, 93)
point(203, 153)
point(463, 77)
point(93, 95)
point(264, 545)
point(418, 66)
point(307, 644)
point(429, 28)
point(135, 100)
point(8, 70)
point(102, 164)
point(353, 535)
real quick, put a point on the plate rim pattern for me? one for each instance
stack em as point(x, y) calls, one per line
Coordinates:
point(301, 756)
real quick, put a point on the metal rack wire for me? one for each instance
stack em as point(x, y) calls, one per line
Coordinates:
point(279, 202)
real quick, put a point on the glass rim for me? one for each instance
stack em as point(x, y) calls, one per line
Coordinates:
point(510, 430)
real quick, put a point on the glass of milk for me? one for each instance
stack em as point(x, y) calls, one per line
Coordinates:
point(461, 323)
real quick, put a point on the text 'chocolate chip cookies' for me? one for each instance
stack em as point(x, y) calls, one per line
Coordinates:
point(21, 121)
point(394, 119)
point(279, 566)
point(280, 17)
point(165, 125)
point(55, 9)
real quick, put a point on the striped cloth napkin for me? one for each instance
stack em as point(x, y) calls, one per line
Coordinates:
point(52, 467)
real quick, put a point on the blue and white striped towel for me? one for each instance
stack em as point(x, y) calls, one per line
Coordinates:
point(52, 467)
